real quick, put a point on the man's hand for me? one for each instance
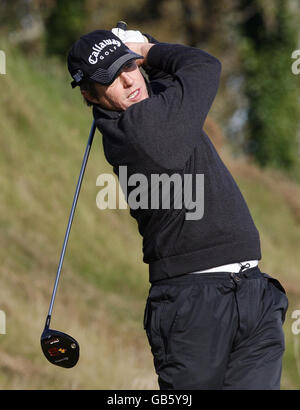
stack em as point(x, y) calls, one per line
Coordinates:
point(129, 36)
point(134, 40)
point(142, 49)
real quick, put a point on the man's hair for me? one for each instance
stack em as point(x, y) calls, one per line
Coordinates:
point(89, 86)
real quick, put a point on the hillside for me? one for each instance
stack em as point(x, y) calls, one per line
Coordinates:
point(104, 284)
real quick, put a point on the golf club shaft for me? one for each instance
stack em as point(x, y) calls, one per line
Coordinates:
point(83, 166)
point(123, 25)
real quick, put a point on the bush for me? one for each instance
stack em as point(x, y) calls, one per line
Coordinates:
point(270, 88)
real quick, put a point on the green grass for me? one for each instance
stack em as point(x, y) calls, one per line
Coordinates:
point(100, 301)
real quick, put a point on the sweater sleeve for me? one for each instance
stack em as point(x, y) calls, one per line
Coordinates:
point(167, 127)
point(154, 73)
point(196, 75)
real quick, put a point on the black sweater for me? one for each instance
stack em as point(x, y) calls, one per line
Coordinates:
point(164, 135)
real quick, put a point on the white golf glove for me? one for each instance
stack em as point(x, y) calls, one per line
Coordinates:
point(129, 36)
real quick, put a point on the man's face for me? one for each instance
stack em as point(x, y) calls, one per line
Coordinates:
point(128, 88)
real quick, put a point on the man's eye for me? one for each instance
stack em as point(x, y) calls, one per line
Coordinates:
point(129, 65)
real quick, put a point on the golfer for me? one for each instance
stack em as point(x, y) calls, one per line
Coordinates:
point(213, 319)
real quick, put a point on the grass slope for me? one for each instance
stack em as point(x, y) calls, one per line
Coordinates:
point(100, 301)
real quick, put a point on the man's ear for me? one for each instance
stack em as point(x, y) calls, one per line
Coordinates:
point(88, 97)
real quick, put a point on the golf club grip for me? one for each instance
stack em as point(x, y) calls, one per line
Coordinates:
point(67, 234)
point(122, 25)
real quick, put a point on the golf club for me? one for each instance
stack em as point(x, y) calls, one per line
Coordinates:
point(122, 25)
point(58, 347)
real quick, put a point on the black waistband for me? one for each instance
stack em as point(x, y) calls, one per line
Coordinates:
point(251, 273)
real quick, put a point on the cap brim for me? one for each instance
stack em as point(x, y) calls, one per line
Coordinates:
point(106, 77)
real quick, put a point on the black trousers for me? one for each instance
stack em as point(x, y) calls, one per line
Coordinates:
point(217, 331)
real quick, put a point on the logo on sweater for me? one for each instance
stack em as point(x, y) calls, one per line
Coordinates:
point(158, 191)
point(98, 48)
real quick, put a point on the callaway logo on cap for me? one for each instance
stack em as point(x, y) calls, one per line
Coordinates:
point(99, 56)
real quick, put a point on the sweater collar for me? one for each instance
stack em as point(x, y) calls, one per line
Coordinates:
point(100, 112)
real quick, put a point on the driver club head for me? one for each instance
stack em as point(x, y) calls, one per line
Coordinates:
point(59, 348)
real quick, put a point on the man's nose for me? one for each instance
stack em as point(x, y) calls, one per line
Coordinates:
point(126, 79)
